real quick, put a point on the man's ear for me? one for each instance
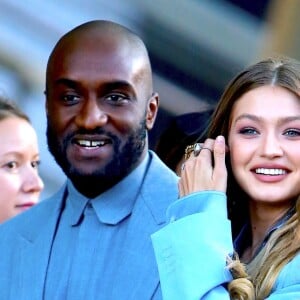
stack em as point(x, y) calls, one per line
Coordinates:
point(152, 108)
point(46, 102)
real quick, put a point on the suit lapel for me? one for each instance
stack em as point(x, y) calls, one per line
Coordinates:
point(35, 248)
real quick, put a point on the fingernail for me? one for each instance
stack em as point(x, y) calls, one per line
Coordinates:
point(220, 139)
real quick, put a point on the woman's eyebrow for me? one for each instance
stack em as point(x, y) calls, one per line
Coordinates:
point(257, 118)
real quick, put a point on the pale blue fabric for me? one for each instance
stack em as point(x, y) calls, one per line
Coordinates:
point(118, 264)
point(191, 252)
point(91, 240)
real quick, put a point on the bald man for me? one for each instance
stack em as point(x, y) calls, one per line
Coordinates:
point(91, 240)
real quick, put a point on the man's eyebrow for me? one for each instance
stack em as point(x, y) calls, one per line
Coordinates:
point(68, 82)
point(118, 84)
point(114, 84)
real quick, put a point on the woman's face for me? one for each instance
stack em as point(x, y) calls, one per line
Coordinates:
point(19, 158)
point(264, 143)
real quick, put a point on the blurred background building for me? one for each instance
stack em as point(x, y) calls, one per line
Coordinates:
point(196, 47)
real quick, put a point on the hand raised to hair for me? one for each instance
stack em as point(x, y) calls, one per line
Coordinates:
point(199, 174)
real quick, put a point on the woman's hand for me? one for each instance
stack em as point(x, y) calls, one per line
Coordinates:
point(200, 173)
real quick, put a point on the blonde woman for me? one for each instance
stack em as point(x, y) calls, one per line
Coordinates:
point(20, 182)
point(259, 117)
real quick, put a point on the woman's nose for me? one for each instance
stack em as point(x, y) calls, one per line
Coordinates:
point(271, 146)
point(33, 182)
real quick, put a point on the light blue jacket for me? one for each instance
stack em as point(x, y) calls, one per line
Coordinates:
point(25, 243)
point(191, 252)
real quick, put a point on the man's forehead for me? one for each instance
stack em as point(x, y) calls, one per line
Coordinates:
point(96, 54)
point(95, 49)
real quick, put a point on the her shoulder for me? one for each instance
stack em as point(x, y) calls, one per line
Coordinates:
point(290, 274)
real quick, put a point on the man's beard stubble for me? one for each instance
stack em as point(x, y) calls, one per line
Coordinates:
point(124, 159)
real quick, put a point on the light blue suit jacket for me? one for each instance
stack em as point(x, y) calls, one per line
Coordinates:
point(191, 252)
point(25, 241)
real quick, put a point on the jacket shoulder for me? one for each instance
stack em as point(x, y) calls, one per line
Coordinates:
point(36, 216)
point(289, 277)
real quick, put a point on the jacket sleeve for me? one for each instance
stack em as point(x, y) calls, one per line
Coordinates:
point(191, 250)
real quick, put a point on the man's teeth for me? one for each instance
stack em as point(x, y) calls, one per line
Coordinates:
point(270, 171)
point(86, 143)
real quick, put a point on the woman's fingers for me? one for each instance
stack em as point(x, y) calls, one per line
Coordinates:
point(197, 171)
point(206, 171)
point(220, 171)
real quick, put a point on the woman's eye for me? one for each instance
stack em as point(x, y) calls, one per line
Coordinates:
point(11, 165)
point(35, 164)
point(292, 132)
point(248, 131)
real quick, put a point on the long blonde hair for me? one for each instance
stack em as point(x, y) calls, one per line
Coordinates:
point(284, 243)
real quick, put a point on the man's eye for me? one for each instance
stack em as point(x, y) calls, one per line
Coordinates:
point(248, 131)
point(117, 98)
point(292, 132)
point(70, 99)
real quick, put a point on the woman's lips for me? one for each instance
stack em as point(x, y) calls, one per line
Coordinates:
point(25, 206)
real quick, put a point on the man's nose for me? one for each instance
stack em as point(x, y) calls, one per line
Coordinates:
point(91, 115)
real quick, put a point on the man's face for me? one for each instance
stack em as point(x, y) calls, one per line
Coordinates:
point(98, 112)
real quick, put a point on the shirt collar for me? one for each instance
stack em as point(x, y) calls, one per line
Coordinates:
point(75, 204)
point(113, 205)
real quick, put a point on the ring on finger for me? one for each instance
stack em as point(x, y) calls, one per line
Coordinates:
point(202, 148)
point(195, 149)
